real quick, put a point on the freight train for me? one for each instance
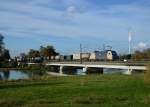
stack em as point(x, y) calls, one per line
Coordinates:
point(107, 55)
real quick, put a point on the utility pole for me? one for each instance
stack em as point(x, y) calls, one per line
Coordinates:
point(80, 53)
point(130, 38)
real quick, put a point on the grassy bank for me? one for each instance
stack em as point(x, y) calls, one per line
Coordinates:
point(76, 91)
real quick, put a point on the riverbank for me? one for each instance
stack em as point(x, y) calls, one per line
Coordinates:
point(76, 91)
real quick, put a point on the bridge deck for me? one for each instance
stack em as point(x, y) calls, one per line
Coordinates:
point(100, 65)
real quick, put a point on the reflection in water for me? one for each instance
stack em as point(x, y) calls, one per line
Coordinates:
point(106, 71)
point(80, 72)
point(114, 71)
point(15, 75)
point(0, 77)
point(6, 75)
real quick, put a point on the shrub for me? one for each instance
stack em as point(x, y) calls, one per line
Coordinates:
point(7, 65)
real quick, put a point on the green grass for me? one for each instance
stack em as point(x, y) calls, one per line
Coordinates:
point(76, 91)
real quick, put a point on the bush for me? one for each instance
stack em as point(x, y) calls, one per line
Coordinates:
point(7, 65)
point(147, 74)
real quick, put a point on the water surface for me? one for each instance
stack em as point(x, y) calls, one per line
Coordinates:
point(16, 75)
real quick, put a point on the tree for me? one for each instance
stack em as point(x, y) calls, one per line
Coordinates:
point(142, 55)
point(23, 57)
point(6, 54)
point(147, 53)
point(33, 53)
point(126, 56)
point(48, 51)
point(138, 55)
point(1, 43)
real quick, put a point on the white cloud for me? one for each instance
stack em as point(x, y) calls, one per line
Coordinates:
point(71, 10)
point(142, 45)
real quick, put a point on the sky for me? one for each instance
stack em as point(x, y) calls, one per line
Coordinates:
point(65, 24)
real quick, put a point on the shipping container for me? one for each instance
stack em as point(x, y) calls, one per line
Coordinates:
point(84, 56)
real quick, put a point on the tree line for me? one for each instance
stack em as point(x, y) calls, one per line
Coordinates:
point(142, 55)
point(44, 53)
point(40, 55)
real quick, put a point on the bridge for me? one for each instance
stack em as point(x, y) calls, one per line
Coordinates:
point(129, 67)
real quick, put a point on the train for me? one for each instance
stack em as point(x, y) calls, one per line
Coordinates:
point(107, 55)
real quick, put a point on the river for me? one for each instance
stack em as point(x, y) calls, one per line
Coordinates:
point(17, 74)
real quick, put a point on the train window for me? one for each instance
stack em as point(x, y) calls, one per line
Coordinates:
point(109, 53)
point(114, 53)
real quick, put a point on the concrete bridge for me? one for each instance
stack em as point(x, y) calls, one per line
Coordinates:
point(129, 67)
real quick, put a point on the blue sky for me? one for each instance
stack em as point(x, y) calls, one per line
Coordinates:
point(65, 24)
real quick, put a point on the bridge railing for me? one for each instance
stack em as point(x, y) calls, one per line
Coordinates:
point(131, 63)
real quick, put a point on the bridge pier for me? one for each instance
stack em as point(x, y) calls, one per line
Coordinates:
point(61, 70)
point(85, 69)
point(129, 71)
